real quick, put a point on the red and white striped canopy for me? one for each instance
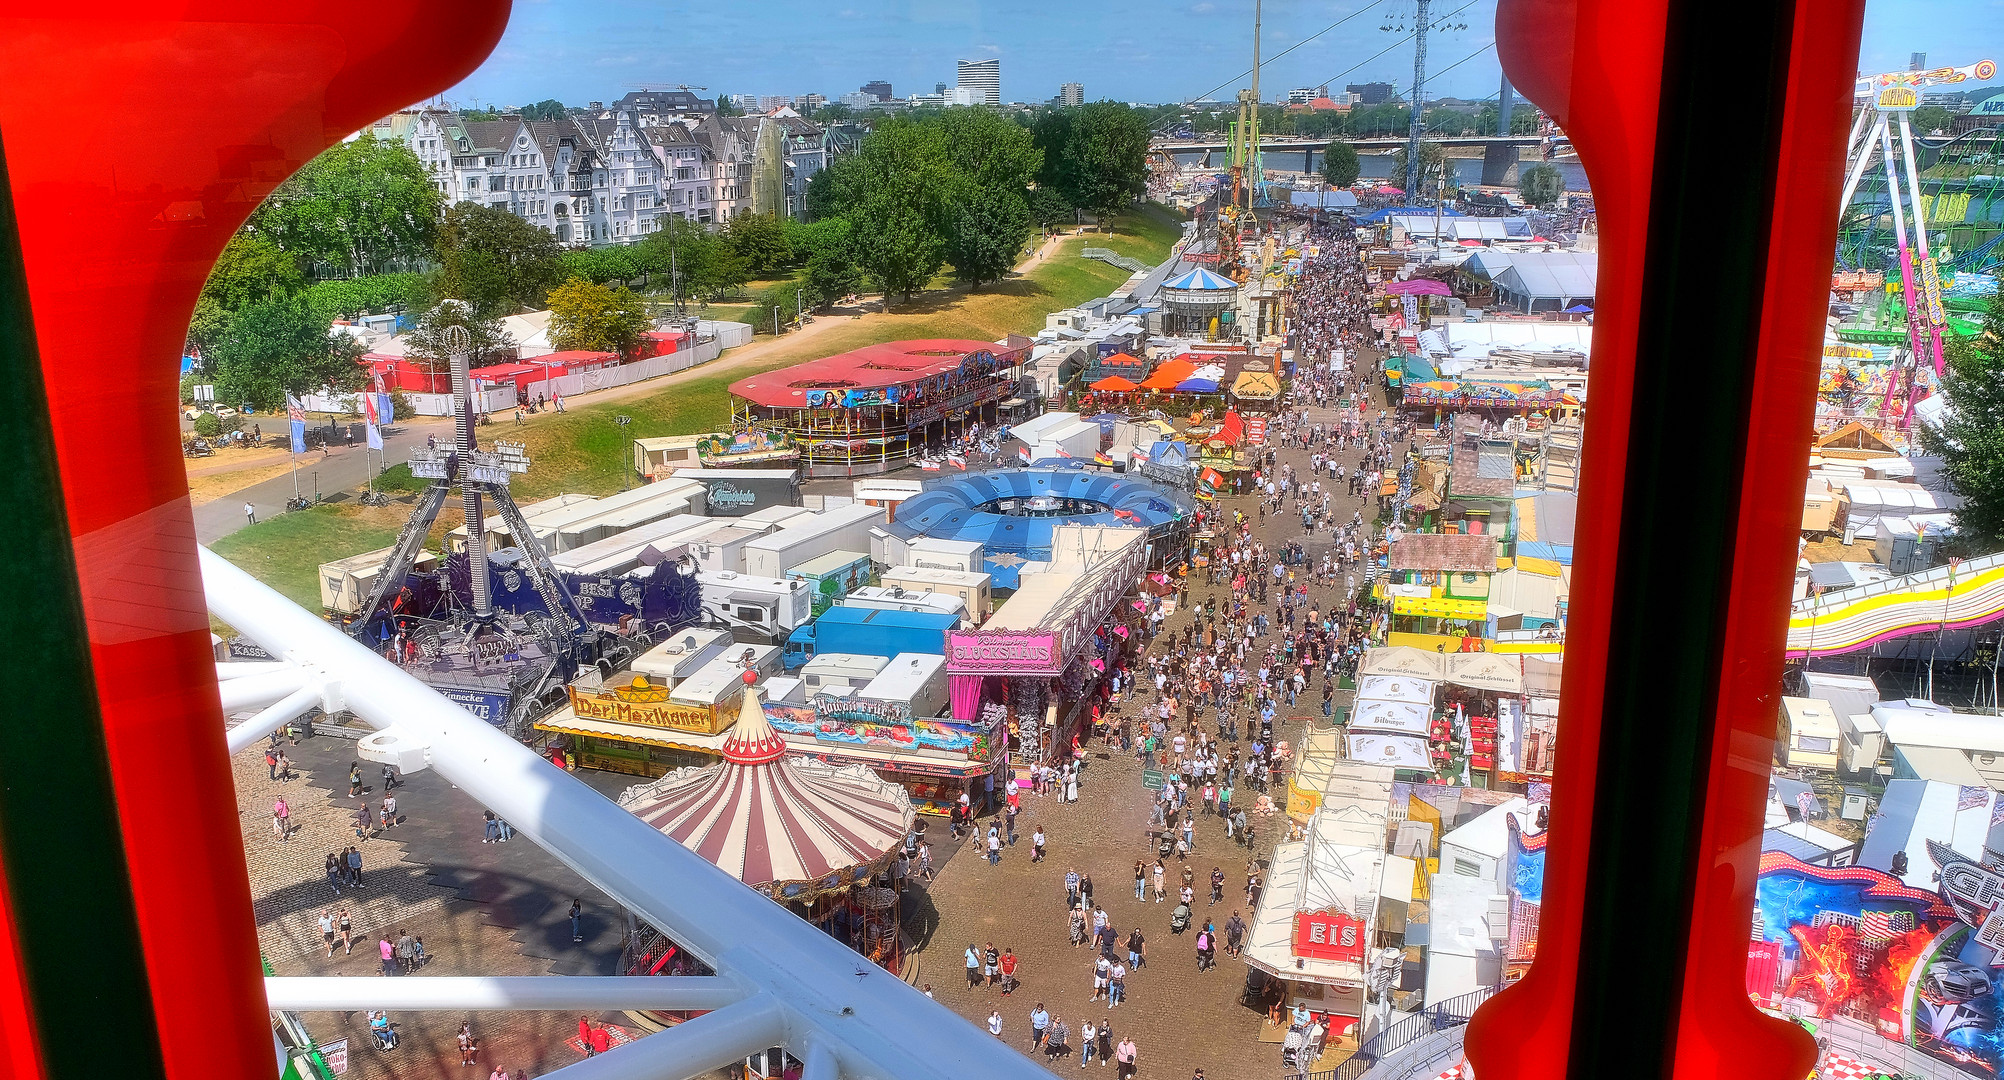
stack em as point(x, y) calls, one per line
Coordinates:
point(788, 826)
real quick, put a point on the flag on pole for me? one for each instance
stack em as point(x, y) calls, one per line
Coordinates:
point(1025, 452)
point(296, 412)
point(369, 415)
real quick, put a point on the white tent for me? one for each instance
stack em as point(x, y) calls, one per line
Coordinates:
point(1395, 688)
point(1486, 671)
point(1399, 751)
point(1402, 660)
point(1392, 717)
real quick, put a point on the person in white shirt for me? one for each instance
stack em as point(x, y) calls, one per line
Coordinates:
point(995, 1023)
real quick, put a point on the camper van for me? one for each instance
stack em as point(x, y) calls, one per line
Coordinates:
point(971, 586)
point(917, 680)
point(841, 669)
point(682, 656)
point(723, 678)
point(755, 609)
point(834, 575)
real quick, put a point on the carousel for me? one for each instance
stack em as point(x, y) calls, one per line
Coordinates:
point(816, 837)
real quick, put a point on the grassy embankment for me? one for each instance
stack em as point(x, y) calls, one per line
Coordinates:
point(585, 450)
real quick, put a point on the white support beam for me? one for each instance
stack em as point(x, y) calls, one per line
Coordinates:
point(696, 1048)
point(870, 1021)
point(245, 735)
point(819, 1064)
point(257, 691)
point(516, 993)
point(238, 669)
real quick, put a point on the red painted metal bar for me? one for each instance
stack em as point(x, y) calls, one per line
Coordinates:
point(1597, 67)
point(210, 105)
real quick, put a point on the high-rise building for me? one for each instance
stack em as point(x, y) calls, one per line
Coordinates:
point(985, 77)
point(1372, 93)
point(1301, 95)
point(1071, 93)
point(879, 89)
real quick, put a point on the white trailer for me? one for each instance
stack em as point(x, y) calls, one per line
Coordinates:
point(916, 680)
point(962, 555)
point(900, 598)
point(672, 661)
point(971, 586)
point(637, 506)
point(620, 553)
point(845, 528)
point(841, 669)
point(720, 544)
point(723, 678)
point(756, 609)
point(776, 516)
point(496, 528)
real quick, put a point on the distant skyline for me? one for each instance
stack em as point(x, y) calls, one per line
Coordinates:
point(596, 50)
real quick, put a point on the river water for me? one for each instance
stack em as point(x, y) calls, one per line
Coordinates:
point(1379, 166)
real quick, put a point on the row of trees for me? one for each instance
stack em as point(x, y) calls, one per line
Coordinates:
point(965, 188)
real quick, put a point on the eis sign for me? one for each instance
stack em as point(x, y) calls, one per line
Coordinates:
point(1328, 935)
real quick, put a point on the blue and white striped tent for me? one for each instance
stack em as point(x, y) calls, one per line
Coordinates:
point(1201, 280)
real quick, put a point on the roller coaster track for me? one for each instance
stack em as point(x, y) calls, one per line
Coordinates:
point(1944, 598)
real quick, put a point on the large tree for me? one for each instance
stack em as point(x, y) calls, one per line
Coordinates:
point(495, 261)
point(1339, 164)
point(1970, 436)
point(986, 227)
point(277, 347)
point(760, 240)
point(364, 206)
point(1540, 184)
point(252, 268)
point(427, 342)
point(1432, 168)
point(900, 173)
point(1095, 155)
point(597, 318)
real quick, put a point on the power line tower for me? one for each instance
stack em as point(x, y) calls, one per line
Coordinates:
point(1418, 124)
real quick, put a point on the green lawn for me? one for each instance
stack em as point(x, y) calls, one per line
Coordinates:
point(285, 552)
point(586, 450)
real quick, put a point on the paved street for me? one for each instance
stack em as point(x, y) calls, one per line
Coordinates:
point(338, 469)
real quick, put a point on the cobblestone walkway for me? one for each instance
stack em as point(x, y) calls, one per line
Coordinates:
point(1181, 1019)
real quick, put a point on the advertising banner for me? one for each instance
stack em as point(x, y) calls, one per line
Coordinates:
point(492, 708)
point(648, 706)
point(1329, 935)
point(737, 496)
point(1399, 751)
point(1003, 652)
point(1440, 607)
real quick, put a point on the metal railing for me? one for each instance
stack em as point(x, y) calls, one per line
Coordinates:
point(1451, 1013)
point(1109, 255)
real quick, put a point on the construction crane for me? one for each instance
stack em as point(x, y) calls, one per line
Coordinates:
point(1887, 100)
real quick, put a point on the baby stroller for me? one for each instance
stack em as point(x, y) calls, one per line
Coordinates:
point(1179, 920)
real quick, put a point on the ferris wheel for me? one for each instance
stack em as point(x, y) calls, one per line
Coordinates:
point(1885, 102)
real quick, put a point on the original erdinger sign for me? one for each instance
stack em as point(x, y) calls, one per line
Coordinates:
point(615, 707)
point(1003, 653)
point(1328, 935)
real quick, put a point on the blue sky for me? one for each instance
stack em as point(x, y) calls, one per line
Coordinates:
point(583, 50)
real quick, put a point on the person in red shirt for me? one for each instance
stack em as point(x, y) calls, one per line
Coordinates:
point(584, 1034)
point(1008, 971)
point(600, 1041)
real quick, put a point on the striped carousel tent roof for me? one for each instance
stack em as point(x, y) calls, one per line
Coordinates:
point(1202, 280)
point(787, 823)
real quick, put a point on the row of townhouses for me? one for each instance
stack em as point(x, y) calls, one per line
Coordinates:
point(613, 176)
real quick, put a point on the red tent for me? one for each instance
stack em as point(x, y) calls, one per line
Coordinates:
point(1115, 383)
point(1168, 375)
point(1233, 431)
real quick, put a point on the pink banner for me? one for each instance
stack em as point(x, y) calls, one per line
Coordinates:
point(966, 691)
point(1003, 652)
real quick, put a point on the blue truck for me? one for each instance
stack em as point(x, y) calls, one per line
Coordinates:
point(869, 632)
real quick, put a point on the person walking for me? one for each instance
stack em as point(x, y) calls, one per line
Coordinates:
point(250, 514)
point(354, 866)
point(1137, 949)
point(281, 819)
point(601, 1040)
point(347, 927)
point(1037, 845)
point(389, 777)
point(1140, 879)
point(584, 1034)
point(327, 932)
point(389, 955)
point(271, 759)
point(467, 1047)
point(1124, 1056)
point(973, 965)
point(1116, 987)
point(1085, 889)
point(1088, 1042)
point(406, 952)
point(994, 847)
point(577, 919)
point(389, 811)
point(991, 964)
point(336, 873)
point(1159, 887)
point(354, 779)
point(1217, 885)
point(1040, 1023)
point(1008, 971)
